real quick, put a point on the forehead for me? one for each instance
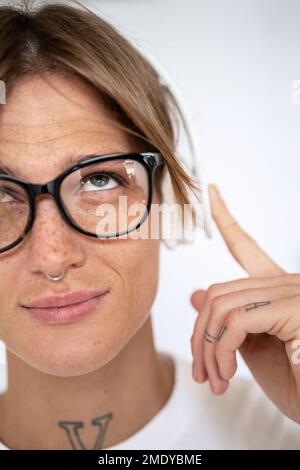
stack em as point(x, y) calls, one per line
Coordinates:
point(44, 96)
point(48, 118)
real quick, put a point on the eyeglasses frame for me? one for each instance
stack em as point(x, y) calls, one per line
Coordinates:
point(150, 160)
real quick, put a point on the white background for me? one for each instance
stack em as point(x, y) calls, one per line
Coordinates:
point(235, 63)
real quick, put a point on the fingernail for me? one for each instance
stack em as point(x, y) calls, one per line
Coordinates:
point(215, 187)
point(212, 185)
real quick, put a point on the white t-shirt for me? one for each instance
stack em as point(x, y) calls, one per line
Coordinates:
point(193, 418)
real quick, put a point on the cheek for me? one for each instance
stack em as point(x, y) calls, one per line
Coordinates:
point(8, 294)
point(139, 270)
point(131, 269)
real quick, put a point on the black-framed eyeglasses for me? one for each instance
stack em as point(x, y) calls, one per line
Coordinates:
point(105, 196)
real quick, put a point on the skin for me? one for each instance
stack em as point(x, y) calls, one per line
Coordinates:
point(74, 372)
point(261, 316)
point(68, 377)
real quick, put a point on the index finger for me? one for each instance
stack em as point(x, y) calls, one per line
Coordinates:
point(241, 245)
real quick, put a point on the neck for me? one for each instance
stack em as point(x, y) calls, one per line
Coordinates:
point(96, 410)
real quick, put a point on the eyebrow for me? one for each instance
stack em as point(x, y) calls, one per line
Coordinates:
point(70, 160)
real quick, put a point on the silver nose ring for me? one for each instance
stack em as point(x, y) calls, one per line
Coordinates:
point(55, 278)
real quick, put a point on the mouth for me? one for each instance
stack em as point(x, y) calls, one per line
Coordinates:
point(59, 310)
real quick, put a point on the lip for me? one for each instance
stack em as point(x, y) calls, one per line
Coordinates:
point(64, 300)
point(66, 309)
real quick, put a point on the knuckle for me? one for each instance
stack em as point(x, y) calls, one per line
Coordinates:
point(233, 318)
point(217, 304)
point(213, 290)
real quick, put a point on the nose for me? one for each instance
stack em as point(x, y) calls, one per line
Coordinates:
point(53, 245)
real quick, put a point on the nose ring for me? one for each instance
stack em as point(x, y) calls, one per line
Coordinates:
point(55, 278)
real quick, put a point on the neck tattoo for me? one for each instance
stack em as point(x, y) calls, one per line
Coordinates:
point(72, 429)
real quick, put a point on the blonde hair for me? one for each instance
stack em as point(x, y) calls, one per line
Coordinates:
point(69, 37)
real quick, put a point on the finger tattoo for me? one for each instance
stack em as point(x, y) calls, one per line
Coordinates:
point(250, 306)
point(212, 339)
point(222, 331)
point(256, 305)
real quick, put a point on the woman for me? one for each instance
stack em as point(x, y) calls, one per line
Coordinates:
point(87, 121)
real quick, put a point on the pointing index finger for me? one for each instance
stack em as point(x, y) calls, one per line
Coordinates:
point(240, 244)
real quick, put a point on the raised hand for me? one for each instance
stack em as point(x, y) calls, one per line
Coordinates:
point(258, 315)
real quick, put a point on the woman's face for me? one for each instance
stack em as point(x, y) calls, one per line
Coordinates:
point(39, 127)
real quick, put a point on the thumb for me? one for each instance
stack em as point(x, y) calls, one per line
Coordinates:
point(197, 298)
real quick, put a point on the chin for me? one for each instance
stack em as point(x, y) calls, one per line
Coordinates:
point(70, 358)
point(78, 348)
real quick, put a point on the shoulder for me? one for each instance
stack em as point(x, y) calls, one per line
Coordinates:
point(243, 417)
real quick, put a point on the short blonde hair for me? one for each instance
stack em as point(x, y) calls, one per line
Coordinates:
point(71, 38)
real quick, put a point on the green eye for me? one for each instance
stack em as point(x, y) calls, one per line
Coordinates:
point(99, 181)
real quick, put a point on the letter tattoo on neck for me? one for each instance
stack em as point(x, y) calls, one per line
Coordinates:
point(72, 429)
